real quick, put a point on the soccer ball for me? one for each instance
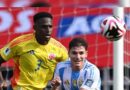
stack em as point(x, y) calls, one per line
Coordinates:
point(113, 28)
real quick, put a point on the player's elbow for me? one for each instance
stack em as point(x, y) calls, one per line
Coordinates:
point(1, 60)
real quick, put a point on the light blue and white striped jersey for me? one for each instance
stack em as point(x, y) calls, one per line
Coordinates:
point(88, 77)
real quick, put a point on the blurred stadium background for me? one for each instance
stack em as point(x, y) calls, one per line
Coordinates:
point(71, 19)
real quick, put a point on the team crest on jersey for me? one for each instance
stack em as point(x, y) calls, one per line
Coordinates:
point(89, 82)
point(7, 51)
point(51, 56)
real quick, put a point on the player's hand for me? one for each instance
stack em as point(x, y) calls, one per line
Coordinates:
point(56, 82)
point(4, 84)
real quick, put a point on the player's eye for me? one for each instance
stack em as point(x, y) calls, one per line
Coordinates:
point(73, 52)
point(81, 53)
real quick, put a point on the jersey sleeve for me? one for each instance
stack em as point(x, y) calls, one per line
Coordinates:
point(56, 73)
point(64, 54)
point(60, 49)
point(60, 68)
point(7, 52)
point(92, 81)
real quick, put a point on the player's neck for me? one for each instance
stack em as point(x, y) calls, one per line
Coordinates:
point(77, 68)
point(41, 40)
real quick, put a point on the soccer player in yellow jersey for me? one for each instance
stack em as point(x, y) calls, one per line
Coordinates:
point(35, 55)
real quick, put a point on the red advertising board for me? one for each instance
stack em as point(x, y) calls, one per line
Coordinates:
point(59, 3)
point(17, 21)
point(12, 25)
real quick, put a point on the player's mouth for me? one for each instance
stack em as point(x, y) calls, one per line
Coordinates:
point(47, 36)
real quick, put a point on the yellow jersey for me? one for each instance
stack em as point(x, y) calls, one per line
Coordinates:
point(34, 63)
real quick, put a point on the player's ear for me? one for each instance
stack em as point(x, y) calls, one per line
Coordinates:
point(69, 53)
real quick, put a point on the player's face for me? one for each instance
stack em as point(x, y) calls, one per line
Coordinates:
point(77, 55)
point(43, 30)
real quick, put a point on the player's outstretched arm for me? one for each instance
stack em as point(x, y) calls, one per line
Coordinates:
point(56, 83)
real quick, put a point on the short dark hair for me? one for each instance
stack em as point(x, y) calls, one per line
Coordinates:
point(40, 4)
point(78, 41)
point(41, 15)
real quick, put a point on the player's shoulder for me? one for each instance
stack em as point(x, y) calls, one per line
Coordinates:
point(56, 43)
point(21, 38)
point(89, 65)
point(64, 64)
point(24, 36)
point(67, 62)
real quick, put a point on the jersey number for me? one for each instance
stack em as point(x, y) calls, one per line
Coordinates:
point(39, 62)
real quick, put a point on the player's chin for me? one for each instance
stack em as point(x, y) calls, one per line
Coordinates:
point(78, 67)
point(78, 64)
point(47, 39)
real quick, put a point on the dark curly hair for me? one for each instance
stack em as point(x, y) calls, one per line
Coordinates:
point(78, 42)
point(39, 15)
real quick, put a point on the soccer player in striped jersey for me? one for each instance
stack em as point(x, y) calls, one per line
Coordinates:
point(77, 73)
point(35, 55)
